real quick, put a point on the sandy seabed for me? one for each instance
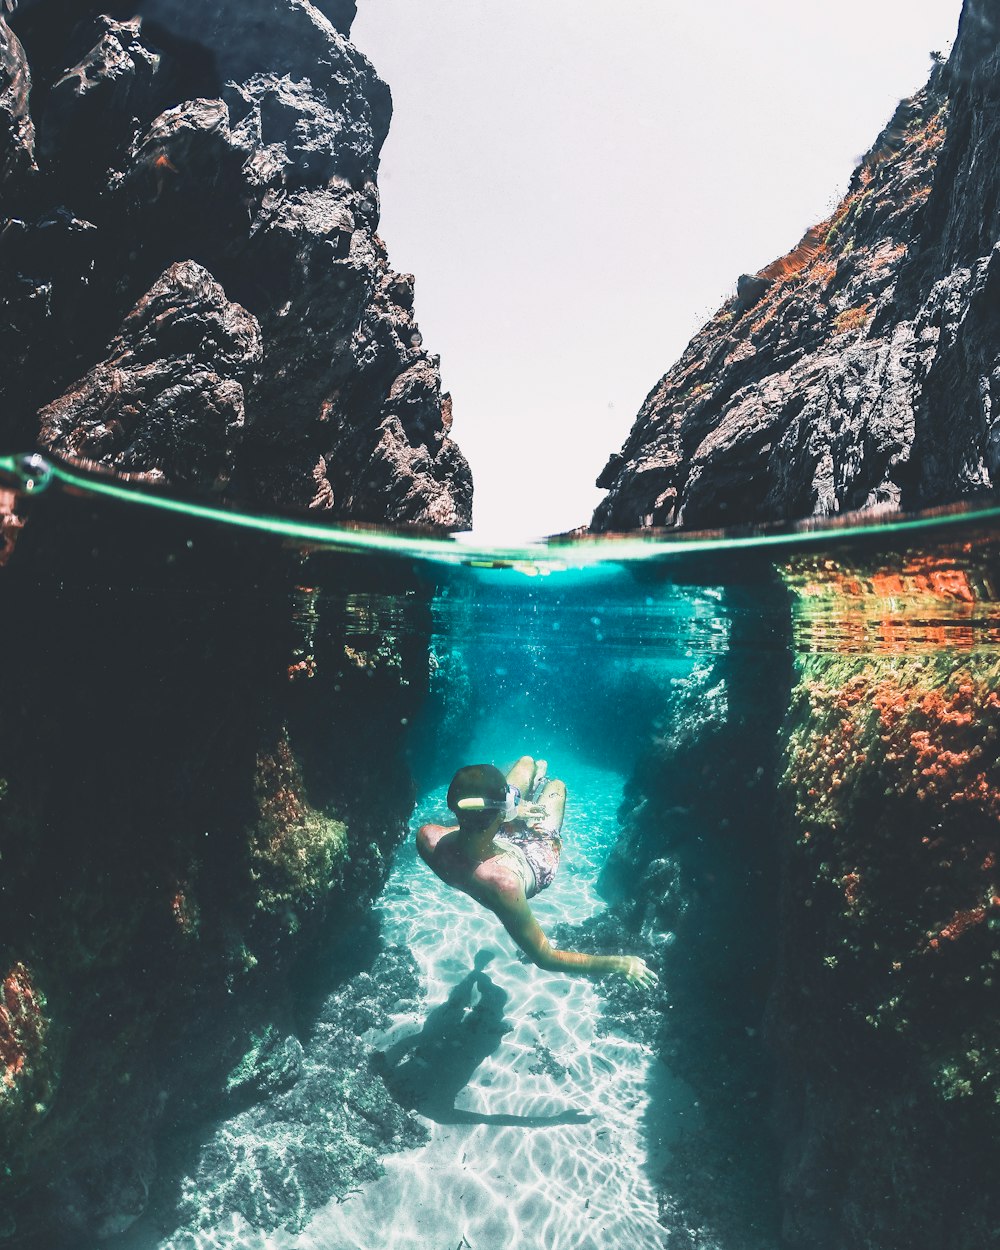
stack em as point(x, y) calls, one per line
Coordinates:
point(535, 1113)
point(535, 1116)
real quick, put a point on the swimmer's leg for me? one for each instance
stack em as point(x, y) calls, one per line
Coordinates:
point(553, 799)
point(521, 774)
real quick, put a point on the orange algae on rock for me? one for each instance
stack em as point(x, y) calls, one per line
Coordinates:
point(961, 921)
point(892, 776)
point(23, 1024)
point(909, 601)
point(27, 1073)
point(185, 911)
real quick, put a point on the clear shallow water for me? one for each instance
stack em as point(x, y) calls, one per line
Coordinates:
point(513, 1174)
point(536, 1109)
point(759, 712)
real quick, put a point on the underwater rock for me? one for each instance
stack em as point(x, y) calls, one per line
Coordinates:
point(167, 403)
point(827, 954)
point(298, 852)
point(26, 1066)
point(859, 370)
point(889, 1094)
point(321, 1121)
point(243, 139)
point(17, 133)
point(190, 838)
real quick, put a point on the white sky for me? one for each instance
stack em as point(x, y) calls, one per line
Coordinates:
point(577, 185)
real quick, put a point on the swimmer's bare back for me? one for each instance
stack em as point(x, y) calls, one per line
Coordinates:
point(494, 886)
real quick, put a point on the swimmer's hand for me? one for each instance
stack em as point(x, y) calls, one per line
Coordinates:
point(637, 972)
point(530, 812)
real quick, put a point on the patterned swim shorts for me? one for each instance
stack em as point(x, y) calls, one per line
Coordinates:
point(541, 846)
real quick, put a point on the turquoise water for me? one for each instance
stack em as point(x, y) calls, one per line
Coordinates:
point(536, 1108)
point(295, 1064)
point(515, 1173)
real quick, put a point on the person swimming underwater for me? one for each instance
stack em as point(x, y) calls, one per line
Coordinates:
point(502, 852)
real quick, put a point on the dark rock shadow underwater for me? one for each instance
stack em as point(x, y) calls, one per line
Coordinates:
point(427, 1072)
point(303, 1118)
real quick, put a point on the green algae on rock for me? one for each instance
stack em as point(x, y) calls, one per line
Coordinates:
point(297, 853)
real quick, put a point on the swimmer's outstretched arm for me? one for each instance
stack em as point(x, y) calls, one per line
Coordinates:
point(517, 918)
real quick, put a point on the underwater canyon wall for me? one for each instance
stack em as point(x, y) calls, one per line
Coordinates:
point(808, 856)
point(203, 747)
point(882, 1014)
point(203, 776)
point(193, 288)
point(861, 369)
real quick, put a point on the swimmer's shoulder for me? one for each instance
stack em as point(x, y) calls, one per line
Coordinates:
point(428, 836)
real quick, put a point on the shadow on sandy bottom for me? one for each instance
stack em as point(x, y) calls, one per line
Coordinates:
point(427, 1071)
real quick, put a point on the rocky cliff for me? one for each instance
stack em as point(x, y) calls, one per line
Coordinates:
point(203, 758)
point(832, 936)
point(193, 288)
point(861, 369)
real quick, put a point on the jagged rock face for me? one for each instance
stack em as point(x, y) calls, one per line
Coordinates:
point(176, 374)
point(17, 135)
point(242, 139)
point(861, 369)
point(322, 1116)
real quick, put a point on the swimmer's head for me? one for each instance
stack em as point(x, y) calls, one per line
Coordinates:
point(478, 794)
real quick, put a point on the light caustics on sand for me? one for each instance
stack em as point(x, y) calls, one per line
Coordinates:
point(542, 1141)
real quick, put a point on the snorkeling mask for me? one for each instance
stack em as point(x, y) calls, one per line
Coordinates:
point(507, 805)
